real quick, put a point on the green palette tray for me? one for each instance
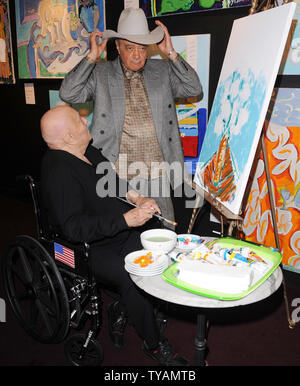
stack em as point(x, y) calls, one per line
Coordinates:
point(270, 254)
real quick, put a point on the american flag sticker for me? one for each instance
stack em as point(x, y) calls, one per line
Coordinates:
point(65, 255)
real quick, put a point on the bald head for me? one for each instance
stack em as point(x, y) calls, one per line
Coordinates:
point(63, 128)
point(55, 124)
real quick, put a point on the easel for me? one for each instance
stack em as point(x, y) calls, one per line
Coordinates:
point(235, 221)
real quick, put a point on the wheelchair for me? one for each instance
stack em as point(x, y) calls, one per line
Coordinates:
point(49, 294)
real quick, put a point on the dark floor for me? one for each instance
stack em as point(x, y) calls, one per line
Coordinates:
point(254, 335)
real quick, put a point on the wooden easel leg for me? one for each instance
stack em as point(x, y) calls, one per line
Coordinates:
point(275, 228)
point(195, 213)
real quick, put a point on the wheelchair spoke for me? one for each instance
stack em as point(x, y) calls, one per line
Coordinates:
point(46, 301)
point(22, 296)
point(18, 276)
point(26, 266)
point(33, 314)
point(44, 316)
point(18, 285)
point(37, 271)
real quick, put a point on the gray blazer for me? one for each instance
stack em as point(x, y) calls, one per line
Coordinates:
point(104, 84)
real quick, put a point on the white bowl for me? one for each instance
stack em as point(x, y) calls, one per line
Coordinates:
point(162, 240)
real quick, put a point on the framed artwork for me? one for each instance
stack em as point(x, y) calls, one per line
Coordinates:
point(7, 74)
point(191, 113)
point(53, 35)
point(84, 109)
point(282, 139)
point(290, 64)
point(241, 101)
point(154, 8)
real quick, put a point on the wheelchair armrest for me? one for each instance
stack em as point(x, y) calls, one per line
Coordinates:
point(82, 246)
point(25, 178)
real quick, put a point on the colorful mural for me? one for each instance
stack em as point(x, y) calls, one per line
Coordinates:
point(191, 114)
point(282, 139)
point(165, 7)
point(241, 101)
point(7, 75)
point(53, 35)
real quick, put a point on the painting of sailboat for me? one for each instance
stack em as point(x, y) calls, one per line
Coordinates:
point(241, 101)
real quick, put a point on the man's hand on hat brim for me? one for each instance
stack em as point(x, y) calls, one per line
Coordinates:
point(97, 45)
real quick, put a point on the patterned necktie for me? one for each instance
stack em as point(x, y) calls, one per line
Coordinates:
point(139, 141)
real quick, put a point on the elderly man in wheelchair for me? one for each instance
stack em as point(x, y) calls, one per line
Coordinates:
point(107, 229)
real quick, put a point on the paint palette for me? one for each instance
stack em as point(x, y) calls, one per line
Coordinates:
point(188, 242)
point(272, 256)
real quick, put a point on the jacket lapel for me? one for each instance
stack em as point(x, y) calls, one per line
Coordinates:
point(117, 93)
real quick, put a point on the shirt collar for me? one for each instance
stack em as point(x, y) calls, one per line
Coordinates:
point(129, 74)
point(93, 154)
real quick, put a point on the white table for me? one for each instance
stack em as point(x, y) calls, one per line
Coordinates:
point(159, 288)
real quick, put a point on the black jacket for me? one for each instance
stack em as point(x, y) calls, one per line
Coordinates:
point(74, 209)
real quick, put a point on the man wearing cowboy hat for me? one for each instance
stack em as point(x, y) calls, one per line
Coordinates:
point(134, 121)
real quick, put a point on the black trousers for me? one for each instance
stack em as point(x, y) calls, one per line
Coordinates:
point(108, 266)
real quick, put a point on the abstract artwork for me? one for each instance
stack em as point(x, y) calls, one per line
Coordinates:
point(241, 101)
point(291, 60)
point(191, 113)
point(166, 7)
point(53, 35)
point(282, 139)
point(7, 75)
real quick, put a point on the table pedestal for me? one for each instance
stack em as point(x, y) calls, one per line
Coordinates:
point(201, 340)
point(159, 288)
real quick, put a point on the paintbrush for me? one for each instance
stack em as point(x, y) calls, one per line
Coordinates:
point(155, 214)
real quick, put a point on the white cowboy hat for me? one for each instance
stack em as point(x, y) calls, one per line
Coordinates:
point(133, 26)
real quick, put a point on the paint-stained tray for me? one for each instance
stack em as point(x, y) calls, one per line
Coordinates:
point(270, 254)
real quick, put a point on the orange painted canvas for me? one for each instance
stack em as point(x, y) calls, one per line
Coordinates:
point(282, 139)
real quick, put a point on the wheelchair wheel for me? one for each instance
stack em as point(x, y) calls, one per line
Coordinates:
point(92, 355)
point(36, 291)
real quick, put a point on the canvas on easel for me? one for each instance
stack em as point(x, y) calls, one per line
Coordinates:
point(241, 101)
point(282, 142)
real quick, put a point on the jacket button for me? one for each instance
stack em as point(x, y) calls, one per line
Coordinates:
point(170, 122)
point(170, 139)
point(101, 131)
point(170, 106)
point(103, 115)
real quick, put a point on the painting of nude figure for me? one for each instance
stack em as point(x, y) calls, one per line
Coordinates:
point(53, 35)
